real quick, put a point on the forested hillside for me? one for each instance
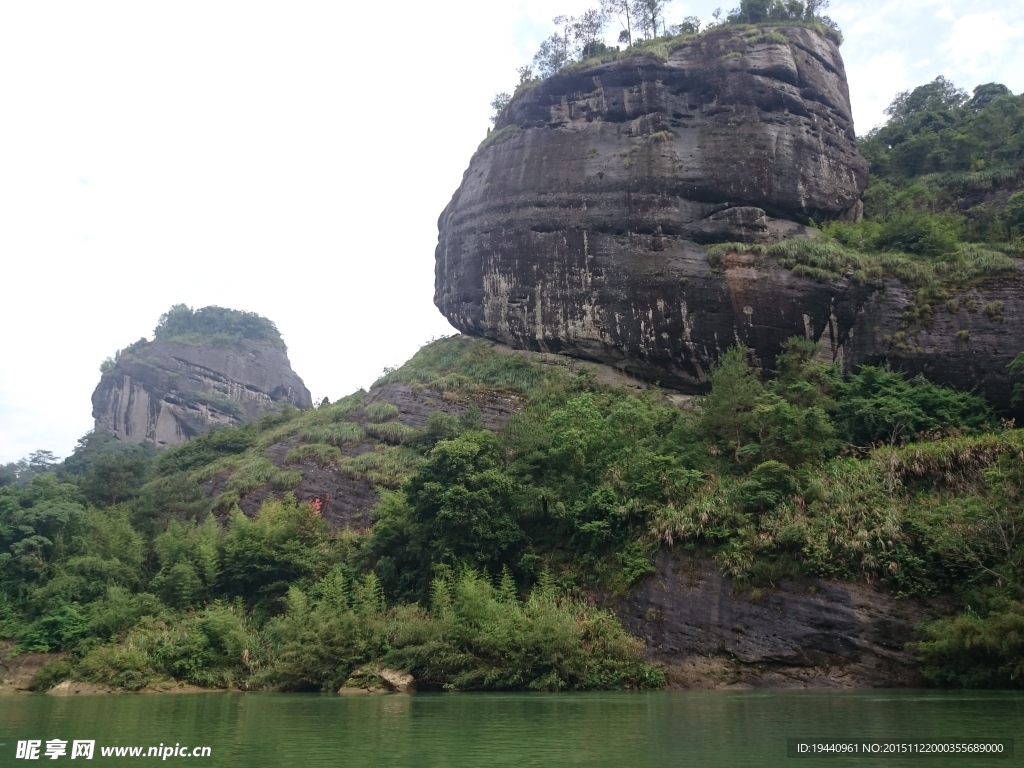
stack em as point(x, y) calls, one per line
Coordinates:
point(489, 552)
point(946, 152)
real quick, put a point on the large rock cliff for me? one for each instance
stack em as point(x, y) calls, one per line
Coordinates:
point(580, 223)
point(164, 392)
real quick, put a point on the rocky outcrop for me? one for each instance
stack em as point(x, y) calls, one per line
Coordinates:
point(347, 499)
point(581, 223)
point(17, 670)
point(165, 392)
point(373, 679)
point(799, 633)
point(967, 343)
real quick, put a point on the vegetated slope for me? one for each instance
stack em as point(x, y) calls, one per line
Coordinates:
point(943, 151)
point(204, 368)
point(513, 493)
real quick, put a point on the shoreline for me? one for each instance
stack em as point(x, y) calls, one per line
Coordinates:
point(80, 688)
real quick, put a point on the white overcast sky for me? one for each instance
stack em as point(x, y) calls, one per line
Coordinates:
point(291, 159)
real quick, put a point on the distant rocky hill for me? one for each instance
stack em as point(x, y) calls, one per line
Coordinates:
point(205, 368)
point(626, 211)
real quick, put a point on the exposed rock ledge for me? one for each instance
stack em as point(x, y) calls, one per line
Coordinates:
point(807, 633)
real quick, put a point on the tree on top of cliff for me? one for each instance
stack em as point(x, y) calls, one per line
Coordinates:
point(650, 17)
point(761, 11)
point(579, 38)
point(182, 322)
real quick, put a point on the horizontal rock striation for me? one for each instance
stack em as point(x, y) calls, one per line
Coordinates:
point(800, 633)
point(580, 223)
point(167, 392)
point(575, 229)
point(966, 344)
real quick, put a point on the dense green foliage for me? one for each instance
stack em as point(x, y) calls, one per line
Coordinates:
point(184, 323)
point(946, 166)
point(937, 128)
point(272, 603)
point(780, 11)
point(476, 636)
point(22, 471)
point(981, 648)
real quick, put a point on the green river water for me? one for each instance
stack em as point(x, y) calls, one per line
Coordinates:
point(683, 728)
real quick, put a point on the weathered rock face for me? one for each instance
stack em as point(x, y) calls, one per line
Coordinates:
point(166, 392)
point(18, 669)
point(577, 233)
point(578, 228)
point(967, 345)
point(805, 633)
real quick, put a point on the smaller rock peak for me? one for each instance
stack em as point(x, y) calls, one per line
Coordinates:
point(204, 368)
